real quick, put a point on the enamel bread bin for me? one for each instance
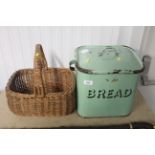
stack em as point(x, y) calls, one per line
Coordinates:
point(106, 80)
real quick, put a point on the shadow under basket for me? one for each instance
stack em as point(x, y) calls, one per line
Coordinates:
point(41, 91)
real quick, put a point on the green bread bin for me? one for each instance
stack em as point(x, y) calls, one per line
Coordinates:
point(106, 80)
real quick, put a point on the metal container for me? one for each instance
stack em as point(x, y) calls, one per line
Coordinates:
point(106, 80)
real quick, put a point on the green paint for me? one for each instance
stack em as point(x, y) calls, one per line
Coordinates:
point(102, 94)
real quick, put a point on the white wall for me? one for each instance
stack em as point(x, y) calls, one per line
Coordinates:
point(17, 44)
point(148, 48)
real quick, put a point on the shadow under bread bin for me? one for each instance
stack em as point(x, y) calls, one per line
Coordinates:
point(41, 91)
point(106, 80)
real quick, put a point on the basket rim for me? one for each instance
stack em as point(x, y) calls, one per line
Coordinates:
point(49, 68)
point(14, 93)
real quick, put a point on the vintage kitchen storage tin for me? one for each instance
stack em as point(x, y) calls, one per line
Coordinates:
point(106, 80)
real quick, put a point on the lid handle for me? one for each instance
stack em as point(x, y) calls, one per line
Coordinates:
point(108, 53)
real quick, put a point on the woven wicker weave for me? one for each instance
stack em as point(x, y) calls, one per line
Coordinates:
point(41, 91)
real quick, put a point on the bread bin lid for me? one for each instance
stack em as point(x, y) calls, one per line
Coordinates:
point(108, 60)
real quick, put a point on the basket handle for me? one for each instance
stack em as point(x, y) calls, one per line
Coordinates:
point(39, 58)
point(40, 63)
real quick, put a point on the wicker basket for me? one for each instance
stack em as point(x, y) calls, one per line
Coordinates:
point(41, 91)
